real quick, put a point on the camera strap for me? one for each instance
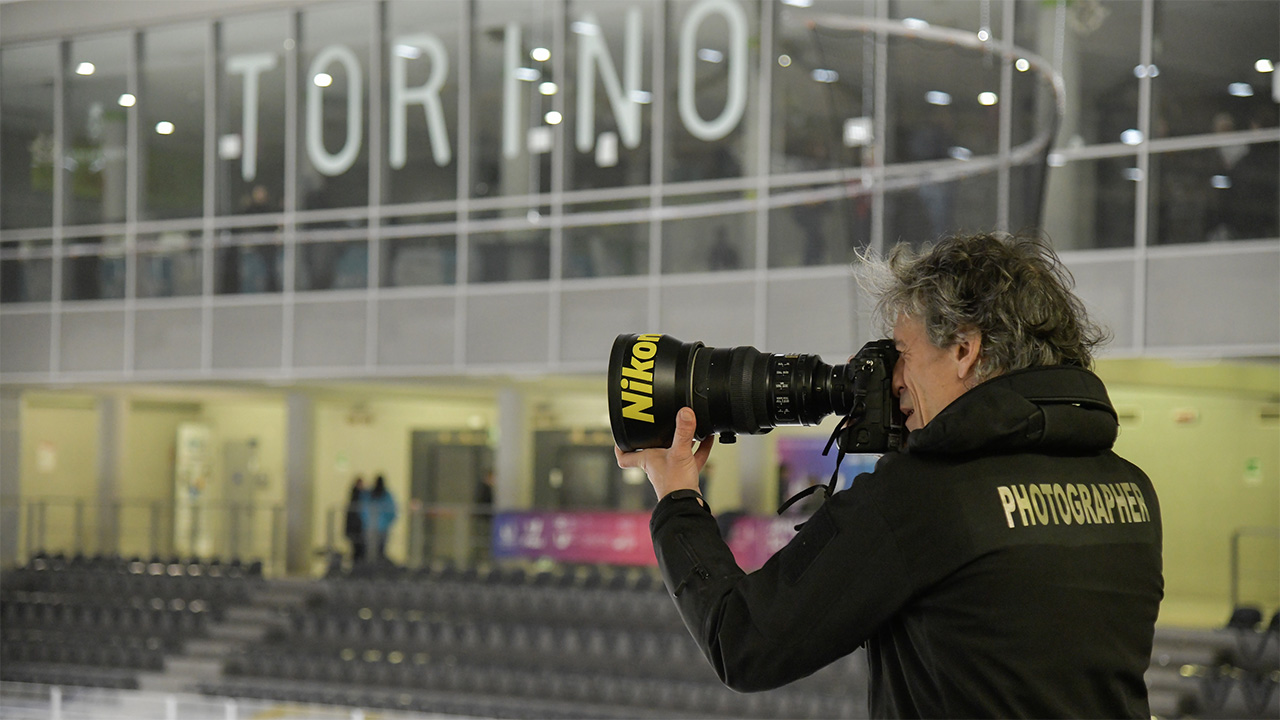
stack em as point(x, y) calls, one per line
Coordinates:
point(830, 488)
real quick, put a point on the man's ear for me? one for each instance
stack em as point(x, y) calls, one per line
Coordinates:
point(965, 353)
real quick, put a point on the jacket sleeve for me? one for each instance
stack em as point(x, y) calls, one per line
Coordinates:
point(813, 602)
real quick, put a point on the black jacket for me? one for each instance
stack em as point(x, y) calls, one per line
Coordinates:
point(1006, 564)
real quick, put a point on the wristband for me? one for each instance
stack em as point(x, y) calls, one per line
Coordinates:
point(687, 493)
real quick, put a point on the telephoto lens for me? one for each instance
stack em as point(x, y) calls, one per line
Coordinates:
point(741, 390)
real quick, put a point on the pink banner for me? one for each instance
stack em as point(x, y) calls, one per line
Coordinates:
point(755, 538)
point(615, 538)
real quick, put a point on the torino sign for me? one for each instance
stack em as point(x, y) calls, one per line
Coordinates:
point(594, 56)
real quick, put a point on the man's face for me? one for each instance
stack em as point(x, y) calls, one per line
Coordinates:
point(927, 378)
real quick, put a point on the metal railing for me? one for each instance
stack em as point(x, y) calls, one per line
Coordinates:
point(151, 528)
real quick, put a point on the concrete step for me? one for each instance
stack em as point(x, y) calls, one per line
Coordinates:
point(252, 614)
point(210, 648)
point(241, 632)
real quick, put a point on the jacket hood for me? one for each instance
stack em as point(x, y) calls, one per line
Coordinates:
point(1056, 409)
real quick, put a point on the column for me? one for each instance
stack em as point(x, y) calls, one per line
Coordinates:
point(299, 480)
point(10, 476)
point(513, 476)
point(112, 416)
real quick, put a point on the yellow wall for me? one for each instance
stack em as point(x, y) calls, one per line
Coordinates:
point(1216, 468)
point(60, 464)
point(145, 484)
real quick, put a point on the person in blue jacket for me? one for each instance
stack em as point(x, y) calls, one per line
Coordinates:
point(377, 513)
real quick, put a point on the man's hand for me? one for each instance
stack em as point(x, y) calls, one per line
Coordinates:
point(676, 467)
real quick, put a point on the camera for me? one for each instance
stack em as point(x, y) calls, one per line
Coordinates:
point(744, 391)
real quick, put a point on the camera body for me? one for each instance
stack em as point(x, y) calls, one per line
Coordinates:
point(741, 390)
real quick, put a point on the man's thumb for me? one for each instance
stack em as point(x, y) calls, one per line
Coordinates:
point(686, 425)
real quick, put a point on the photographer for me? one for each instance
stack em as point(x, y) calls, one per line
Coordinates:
point(1004, 563)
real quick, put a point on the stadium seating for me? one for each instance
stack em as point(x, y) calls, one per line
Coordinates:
point(501, 642)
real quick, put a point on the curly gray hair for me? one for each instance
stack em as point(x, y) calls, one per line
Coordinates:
point(1012, 289)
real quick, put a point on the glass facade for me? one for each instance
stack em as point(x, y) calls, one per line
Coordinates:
point(407, 143)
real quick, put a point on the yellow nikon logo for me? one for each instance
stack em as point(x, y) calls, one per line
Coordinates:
point(638, 378)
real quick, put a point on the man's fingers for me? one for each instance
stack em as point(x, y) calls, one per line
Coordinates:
point(628, 459)
point(704, 450)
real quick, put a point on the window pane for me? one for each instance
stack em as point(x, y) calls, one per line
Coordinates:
point(923, 214)
point(27, 77)
point(823, 91)
point(96, 130)
point(417, 261)
point(26, 271)
point(1098, 43)
point(1214, 194)
point(712, 69)
point(1090, 203)
point(333, 98)
point(251, 113)
point(342, 265)
point(951, 111)
point(606, 250)
point(511, 134)
point(248, 260)
point(171, 129)
point(711, 243)
point(1207, 54)
point(169, 264)
point(93, 268)
point(510, 256)
point(809, 227)
point(615, 146)
point(422, 128)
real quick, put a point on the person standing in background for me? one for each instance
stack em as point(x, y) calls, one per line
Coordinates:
point(377, 513)
point(353, 527)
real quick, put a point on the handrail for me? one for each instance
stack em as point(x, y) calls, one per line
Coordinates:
point(230, 528)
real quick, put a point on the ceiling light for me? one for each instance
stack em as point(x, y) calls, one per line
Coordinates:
point(164, 127)
point(984, 34)
point(914, 23)
point(1264, 66)
point(548, 88)
point(824, 75)
point(322, 80)
point(1133, 174)
point(784, 60)
point(710, 55)
point(553, 118)
point(1022, 64)
point(641, 97)
point(937, 97)
point(1239, 89)
point(1221, 182)
point(527, 74)
point(127, 100)
point(988, 98)
point(582, 27)
point(540, 54)
point(85, 68)
point(1131, 137)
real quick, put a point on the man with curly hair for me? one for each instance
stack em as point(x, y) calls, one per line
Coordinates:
point(1004, 563)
